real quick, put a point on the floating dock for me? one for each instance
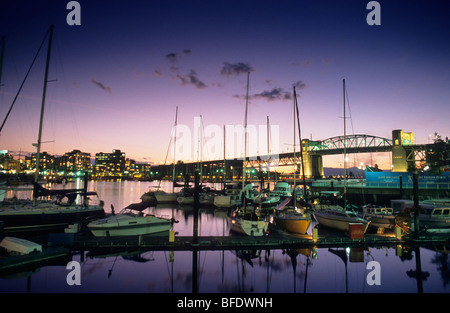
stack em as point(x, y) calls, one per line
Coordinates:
point(275, 240)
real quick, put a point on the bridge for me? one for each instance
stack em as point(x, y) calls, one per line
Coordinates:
point(401, 145)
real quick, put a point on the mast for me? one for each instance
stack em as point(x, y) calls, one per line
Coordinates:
point(295, 156)
point(244, 165)
point(301, 146)
point(174, 150)
point(38, 153)
point(268, 154)
point(224, 157)
point(345, 149)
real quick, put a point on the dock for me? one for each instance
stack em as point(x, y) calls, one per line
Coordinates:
point(275, 240)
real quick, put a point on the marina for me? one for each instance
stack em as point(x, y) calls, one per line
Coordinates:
point(282, 203)
point(277, 262)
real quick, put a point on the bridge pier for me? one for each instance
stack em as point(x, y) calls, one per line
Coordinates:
point(313, 163)
point(401, 150)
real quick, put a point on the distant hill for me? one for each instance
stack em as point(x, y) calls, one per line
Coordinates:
point(331, 171)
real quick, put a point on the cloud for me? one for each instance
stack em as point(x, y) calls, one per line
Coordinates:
point(235, 69)
point(101, 86)
point(302, 63)
point(275, 94)
point(299, 85)
point(174, 57)
point(192, 79)
point(157, 72)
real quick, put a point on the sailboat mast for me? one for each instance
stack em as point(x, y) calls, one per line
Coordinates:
point(301, 146)
point(38, 153)
point(345, 148)
point(268, 154)
point(295, 155)
point(224, 156)
point(174, 149)
point(244, 165)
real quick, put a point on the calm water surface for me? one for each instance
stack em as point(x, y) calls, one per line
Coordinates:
point(337, 270)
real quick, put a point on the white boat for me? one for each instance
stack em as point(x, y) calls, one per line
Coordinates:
point(233, 196)
point(434, 217)
point(380, 217)
point(129, 222)
point(206, 198)
point(21, 246)
point(339, 219)
point(290, 218)
point(46, 215)
point(248, 222)
point(431, 216)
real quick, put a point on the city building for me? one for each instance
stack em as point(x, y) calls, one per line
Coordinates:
point(109, 164)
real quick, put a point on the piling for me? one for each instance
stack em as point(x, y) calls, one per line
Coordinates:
point(196, 204)
point(416, 204)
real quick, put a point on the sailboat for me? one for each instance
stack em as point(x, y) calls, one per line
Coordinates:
point(45, 215)
point(246, 219)
point(170, 197)
point(288, 215)
point(336, 216)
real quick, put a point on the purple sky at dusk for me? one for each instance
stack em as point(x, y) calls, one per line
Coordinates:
point(122, 72)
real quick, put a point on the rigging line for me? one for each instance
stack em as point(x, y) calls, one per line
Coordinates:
point(168, 149)
point(349, 111)
point(23, 82)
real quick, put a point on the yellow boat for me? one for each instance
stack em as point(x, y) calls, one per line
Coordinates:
point(290, 219)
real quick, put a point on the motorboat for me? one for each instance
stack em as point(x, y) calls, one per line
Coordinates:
point(339, 219)
point(233, 195)
point(247, 221)
point(266, 200)
point(131, 221)
point(380, 217)
point(282, 190)
point(58, 213)
point(288, 217)
point(434, 217)
point(431, 216)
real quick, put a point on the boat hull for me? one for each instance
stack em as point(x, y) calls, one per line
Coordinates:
point(294, 224)
point(166, 197)
point(47, 217)
point(337, 223)
point(433, 222)
point(129, 226)
point(185, 200)
point(248, 227)
point(381, 221)
point(227, 201)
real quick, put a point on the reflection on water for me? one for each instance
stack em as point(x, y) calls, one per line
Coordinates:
point(336, 270)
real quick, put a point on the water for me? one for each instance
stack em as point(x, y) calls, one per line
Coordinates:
point(338, 270)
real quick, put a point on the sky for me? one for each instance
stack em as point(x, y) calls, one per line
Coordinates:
point(116, 79)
